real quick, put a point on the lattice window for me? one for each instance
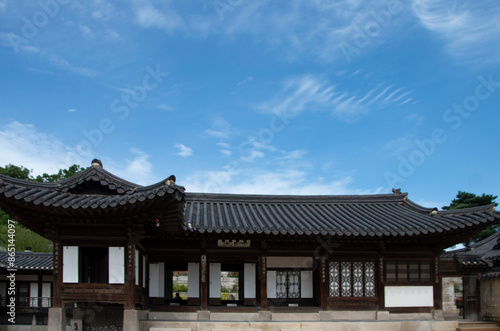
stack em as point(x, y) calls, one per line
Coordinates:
point(370, 279)
point(352, 279)
point(281, 279)
point(294, 284)
point(346, 278)
point(288, 284)
point(334, 279)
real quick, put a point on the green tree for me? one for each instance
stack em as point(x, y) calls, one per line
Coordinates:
point(25, 237)
point(468, 200)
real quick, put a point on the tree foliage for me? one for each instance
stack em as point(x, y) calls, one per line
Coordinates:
point(25, 237)
point(468, 200)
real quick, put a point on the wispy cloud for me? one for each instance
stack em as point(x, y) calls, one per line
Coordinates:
point(137, 170)
point(164, 107)
point(245, 81)
point(22, 144)
point(469, 30)
point(54, 59)
point(310, 93)
point(220, 128)
point(283, 181)
point(184, 150)
point(148, 16)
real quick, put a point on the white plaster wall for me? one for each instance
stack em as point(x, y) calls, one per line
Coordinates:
point(409, 296)
point(157, 280)
point(249, 276)
point(271, 284)
point(193, 280)
point(70, 264)
point(215, 273)
point(116, 265)
point(289, 262)
point(306, 284)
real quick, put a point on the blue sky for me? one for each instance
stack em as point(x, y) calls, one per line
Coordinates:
point(273, 97)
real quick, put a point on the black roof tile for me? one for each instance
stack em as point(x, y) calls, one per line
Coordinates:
point(387, 215)
point(27, 261)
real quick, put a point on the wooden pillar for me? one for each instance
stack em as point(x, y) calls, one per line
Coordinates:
point(130, 272)
point(438, 288)
point(381, 280)
point(39, 294)
point(263, 282)
point(203, 282)
point(56, 270)
point(323, 284)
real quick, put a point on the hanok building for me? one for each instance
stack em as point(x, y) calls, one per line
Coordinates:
point(319, 259)
point(33, 283)
point(479, 264)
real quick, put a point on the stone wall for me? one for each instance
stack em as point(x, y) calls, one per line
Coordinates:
point(449, 295)
point(490, 298)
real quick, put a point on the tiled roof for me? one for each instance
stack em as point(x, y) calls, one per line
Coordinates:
point(484, 253)
point(27, 261)
point(388, 215)
point(93, 188)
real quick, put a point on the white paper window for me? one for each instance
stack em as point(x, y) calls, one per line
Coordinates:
point(116, 264)
point(70, 264)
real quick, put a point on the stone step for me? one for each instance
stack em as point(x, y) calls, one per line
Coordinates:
point(478, 326)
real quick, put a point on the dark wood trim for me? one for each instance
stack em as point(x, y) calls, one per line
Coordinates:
point(438, 288)
point(263, 282)
point(323, 283)
point(203, 282)
point(57, 273)
point(214, 301)
point(130, 273)
point(249, 302)
point(408, 310)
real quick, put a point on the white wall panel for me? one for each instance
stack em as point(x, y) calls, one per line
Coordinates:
point(70, 264)
point(116, 264)
point(271, 284)
point(215, 281)
point(249, 279)
point(157, 280)
point(306, 284)
point(193, 280)
point(409, 296)
point(289, 262)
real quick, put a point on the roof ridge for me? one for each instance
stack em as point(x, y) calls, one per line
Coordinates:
point(276, 198)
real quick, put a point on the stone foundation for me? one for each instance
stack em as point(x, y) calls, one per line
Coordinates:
point(320, 321)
